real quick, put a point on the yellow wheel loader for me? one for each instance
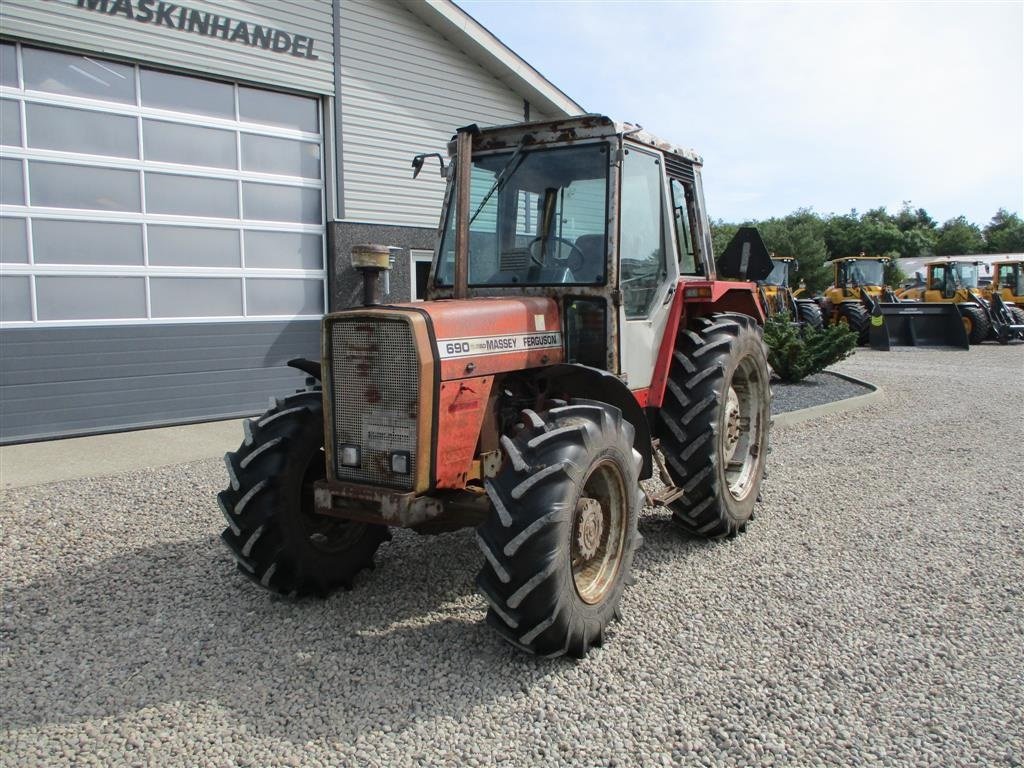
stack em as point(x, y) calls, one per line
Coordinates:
point(1007, 290)
point(860, 298)
point(955, 282)
point(778, 298)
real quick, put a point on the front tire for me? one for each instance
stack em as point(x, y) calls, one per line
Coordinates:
point(273, 533)
point(714, 423)
point(559, 542)
point(857, 319)
point(975, 323)
point(809, 314)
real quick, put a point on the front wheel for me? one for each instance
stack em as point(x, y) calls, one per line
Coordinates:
point(809, 314)
point(855, 317)
point(273, 532)
point(975, 322)
point(560, 539)
point(714, 423)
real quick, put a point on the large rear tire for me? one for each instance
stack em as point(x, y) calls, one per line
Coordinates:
point(273, 533)
point(857, 319)
point(560, 539)
point(975, 323)
point(714, 423)
point(809, 314)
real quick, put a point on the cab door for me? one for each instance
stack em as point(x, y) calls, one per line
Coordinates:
point(648, 271)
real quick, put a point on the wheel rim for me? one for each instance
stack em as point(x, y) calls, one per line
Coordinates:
point(599, 533)
point(327, 534)
point(740, 433)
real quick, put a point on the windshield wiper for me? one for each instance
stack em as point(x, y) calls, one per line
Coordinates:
point(501, 179)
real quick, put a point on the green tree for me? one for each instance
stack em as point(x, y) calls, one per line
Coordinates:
point(1005, 233)
point(721, 234)
point(959, 236)
point(842, 235)
point(800, 235)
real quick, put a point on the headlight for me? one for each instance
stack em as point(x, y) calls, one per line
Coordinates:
point(400, 462)
point(350, 455)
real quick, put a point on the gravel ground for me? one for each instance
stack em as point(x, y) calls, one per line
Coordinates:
point(817, 389)
point(873, 615)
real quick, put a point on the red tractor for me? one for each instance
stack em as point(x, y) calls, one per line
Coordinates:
point(576, 341)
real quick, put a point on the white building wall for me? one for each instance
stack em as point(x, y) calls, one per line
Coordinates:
point(404, 90)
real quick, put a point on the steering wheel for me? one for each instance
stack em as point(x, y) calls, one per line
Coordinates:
point(573, 261)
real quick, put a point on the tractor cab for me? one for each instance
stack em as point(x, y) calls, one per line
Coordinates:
point(598, 215)
point(951, 278)
point(855, 273)
point(1008, 281)
point(779, 276)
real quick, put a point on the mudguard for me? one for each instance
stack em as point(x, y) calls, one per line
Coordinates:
point(595, 384)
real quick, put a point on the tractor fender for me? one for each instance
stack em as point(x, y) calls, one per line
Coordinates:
point(595, 384)
point(308, 367)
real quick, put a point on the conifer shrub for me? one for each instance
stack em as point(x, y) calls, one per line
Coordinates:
point(796, 353)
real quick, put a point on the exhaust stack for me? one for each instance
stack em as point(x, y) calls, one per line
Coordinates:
point(371, 260)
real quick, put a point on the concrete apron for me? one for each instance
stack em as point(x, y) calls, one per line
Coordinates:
point(99, 455)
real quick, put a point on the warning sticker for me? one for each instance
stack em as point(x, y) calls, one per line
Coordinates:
point(497, 345)
point(387, 430)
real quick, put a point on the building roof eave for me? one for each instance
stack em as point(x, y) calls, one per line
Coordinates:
point(485, 48)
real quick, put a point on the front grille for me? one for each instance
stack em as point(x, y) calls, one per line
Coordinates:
point(375, 398)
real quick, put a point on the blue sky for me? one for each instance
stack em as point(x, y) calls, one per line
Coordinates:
point(831, 106)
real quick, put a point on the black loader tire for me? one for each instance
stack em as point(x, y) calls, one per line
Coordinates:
point(979, 328)
point(809, 314)
point(533, 537)
point(857, 318)
point(694, 423)
point(273, 534)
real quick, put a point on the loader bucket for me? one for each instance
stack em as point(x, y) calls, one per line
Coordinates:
point(909, 324)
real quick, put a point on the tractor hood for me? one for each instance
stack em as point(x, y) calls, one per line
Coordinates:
point(483, 336)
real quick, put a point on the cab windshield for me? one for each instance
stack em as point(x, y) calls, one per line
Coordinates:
point(535, 218)
point(858, 273)
point(779, 274)
point(965, 275)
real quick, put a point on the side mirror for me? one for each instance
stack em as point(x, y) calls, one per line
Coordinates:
point(745, 257)
point(417, 163)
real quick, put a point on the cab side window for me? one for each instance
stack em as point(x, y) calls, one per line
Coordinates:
point(642, 266)
point(683, 215)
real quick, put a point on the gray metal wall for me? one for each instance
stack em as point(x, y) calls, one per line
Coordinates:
point(65, 381)
point(130, 29)
point(345, 286)
point(404, 90)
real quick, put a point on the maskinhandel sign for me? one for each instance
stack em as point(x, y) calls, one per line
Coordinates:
point(211, 25)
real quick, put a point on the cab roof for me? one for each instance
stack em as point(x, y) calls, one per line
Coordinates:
point(568, 129)
point(862, 257)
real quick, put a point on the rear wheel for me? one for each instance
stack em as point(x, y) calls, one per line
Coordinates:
point(975, 323)
point(559, 542)
point(714, 423)
point(856, 317)
point(809, 313)
point(273, 532)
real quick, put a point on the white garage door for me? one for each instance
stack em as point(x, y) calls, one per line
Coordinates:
point(131, 195)
point(161, 244)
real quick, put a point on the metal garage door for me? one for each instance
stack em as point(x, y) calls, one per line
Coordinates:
point(162, 243)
